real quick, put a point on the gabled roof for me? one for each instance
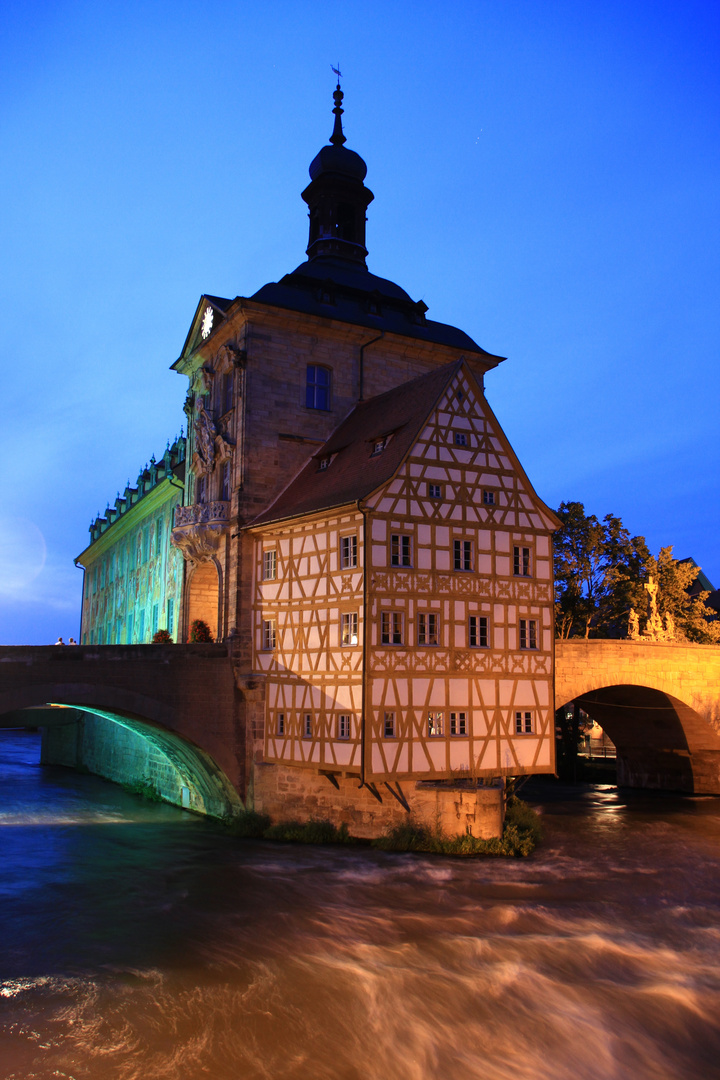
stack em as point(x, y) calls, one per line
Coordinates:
point(354, 470)
point(221, 306)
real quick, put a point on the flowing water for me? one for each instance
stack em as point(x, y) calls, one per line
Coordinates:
point(138, 942)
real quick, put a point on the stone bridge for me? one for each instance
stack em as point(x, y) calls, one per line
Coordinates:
point(174, 716)
point(659, 702)
point(167, 714)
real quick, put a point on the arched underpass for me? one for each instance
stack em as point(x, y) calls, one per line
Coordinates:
point(660, 741)
point(130, 750)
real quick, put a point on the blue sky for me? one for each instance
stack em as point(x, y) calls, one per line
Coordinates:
point(546, 177)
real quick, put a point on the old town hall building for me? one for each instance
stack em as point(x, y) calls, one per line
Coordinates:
point(348, 515)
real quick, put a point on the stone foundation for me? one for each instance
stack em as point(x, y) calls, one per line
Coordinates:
point(296, 795)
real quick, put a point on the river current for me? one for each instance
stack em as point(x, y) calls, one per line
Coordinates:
point(138, 942)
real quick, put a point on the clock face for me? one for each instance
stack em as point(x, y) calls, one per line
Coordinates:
point(207, 321)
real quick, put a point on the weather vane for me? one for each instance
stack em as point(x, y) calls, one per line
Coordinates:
point(337, 72)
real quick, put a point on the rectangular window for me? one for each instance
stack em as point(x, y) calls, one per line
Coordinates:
point(307, 725)
point(428, 629)
point(400, 550)
point(317, 387)
point(524, 723)
point(155, 614)
point(463, 554)
point(170, 616)
point(458, 723)
point(435, 491)
point(348, 552)
point(269, 565)
point(268, 634)
point(146, 544)
point(460, 438)
point(391, 628)
point(521, 561)
point(478, 632)
point(200, 487)
point(227, 391)
point(379, 445)
point(344, 726)
point(280, 725)
point(225, 482)
point(130, 621)
point(389, 725)
point(528, 634)
point(158, 536)
point(435, 723)
point(489, 498)
point(111, 573)
point(349, 628)
point(141, 627)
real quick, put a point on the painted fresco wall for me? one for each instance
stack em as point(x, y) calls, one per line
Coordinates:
point(133, 575)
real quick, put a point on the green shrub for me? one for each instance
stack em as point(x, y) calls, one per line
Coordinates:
point(310, 832)
point(521, 833)
point(249, 824)
point(144, 788)
point(200, 631)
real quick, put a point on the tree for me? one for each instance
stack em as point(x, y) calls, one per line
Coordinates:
point(601, 573)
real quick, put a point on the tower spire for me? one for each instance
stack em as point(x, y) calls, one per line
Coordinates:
point(337, 138)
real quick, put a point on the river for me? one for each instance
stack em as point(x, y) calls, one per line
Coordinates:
point(141, 943)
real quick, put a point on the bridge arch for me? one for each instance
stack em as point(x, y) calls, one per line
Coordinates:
point(124, 736)
point(658, 702)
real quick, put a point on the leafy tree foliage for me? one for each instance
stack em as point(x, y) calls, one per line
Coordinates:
point(601, 572)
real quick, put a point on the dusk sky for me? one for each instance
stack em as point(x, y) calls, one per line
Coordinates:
point(546, 177)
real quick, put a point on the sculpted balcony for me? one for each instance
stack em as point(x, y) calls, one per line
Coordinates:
point(199, 528)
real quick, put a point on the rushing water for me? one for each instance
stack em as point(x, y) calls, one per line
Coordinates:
point(138, 941)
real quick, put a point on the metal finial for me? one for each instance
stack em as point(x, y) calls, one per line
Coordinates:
point(337, 138)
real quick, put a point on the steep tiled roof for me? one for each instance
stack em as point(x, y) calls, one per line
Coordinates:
point(354, 471)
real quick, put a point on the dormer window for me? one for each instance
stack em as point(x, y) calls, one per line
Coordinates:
point(379, 444)
point(324, 462)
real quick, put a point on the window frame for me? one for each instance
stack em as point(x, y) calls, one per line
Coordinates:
point(524, 722)
point(478, 631)
point(349, 629)
point(428, 628)
point(389, 728)
point(266, 560)
point(434, 491)
point(522, 561)
point(348, 551)
point(269, 635)
point(528, 634)
point(392, 620)
point(401, 550)
point(344, 726)
point(463, 555)
point(458, 724)
point(435, 724)
point(461, 439)
point(317, 391)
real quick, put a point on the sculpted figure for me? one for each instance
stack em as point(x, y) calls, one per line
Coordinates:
point(669, 627)
point(204, 431)
point(634, 625)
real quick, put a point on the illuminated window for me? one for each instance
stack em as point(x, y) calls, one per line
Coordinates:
point(324, 462)
point(524, 723)
point(317, 387)
point(344, 726)
point(268, 634)
point(435, 491)
point(458, 723)
point(400, 550)
point(391, 628)
point(478, 631)
point(428, 629)
point(349, 628)
point(435, 724)
point(348, 552)
point(269, 565)
point(521, 561)
point(462, 550)
point(528, 634)
point(389, 725)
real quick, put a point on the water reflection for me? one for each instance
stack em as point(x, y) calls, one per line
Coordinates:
point(144, 942)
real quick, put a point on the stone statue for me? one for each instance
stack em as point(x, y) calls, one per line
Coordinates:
point(204, 431)
point(652, 589)
point(669, 627)
point(634, 625)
